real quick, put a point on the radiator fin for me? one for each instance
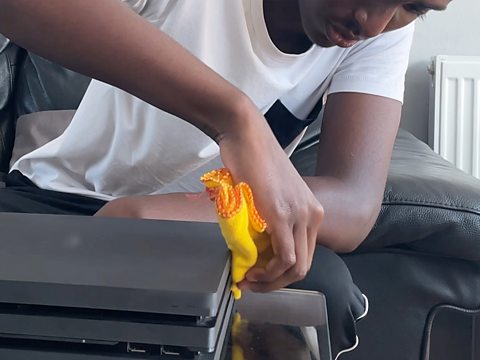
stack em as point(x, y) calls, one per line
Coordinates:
point(454, 129)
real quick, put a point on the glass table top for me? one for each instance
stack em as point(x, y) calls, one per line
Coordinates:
point(285, 324)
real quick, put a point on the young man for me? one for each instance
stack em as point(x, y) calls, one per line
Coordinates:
point(253, 55)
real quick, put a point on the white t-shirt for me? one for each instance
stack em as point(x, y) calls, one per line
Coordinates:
point(118, 145)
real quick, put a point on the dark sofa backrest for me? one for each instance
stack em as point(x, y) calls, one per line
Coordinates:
point(10, 56)
point(29, 83)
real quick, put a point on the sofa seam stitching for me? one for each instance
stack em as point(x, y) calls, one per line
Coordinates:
point(431, 203)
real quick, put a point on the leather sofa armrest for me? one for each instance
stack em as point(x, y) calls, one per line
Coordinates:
point(428, 205)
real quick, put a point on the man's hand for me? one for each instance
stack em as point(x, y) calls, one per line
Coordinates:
point(283, 199)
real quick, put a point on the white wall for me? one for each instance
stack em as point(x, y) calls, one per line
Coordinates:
point(455, 31)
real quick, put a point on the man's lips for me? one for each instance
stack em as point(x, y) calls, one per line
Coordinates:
point(338, 38)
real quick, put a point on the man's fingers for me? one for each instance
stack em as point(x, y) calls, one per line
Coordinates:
point(291, 263)
point(281, 282)
point(284, 258)
point(312, 243)
point(263, 286)
point(301, 267)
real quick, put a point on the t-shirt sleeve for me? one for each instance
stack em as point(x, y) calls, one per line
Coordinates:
point(376, 66)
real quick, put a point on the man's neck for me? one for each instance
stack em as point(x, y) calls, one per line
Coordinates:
point(284, 26)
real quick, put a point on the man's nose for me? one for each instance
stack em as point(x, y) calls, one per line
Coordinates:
point(372, 22)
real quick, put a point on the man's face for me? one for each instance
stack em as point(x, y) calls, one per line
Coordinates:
point(344, 22)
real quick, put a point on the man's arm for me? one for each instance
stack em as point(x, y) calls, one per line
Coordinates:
point(107, 41)
point(356, 143)
point(354, 153)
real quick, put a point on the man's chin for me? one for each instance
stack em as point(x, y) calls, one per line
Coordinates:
point(317, 35)
point(324, 42)
point(326, 45)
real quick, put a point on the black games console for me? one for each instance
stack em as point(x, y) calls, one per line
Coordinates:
point(109, 287)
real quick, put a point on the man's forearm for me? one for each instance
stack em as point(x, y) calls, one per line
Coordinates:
point(173, 206)
point(107, 41)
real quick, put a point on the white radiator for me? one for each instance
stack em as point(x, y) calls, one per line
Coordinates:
point(454, 128)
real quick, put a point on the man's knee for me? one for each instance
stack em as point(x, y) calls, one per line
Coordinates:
point(328, 275)
point(345, 302)
point(10, 201)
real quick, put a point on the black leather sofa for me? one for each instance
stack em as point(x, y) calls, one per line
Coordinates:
point(420, 266)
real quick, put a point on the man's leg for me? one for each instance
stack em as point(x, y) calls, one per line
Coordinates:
point(345, 302)
point(20, 195)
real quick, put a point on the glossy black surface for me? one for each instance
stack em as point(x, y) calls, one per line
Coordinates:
point(165, 267)
point(294, 327)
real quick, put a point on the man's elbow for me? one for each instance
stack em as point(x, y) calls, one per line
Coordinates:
point(354, 228)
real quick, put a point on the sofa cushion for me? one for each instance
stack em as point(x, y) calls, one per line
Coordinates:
point(428, 204)
point(36, 129)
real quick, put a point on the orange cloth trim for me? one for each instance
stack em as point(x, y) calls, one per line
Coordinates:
point(242, 226)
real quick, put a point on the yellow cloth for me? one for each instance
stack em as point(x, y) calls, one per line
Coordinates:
point(241, 225)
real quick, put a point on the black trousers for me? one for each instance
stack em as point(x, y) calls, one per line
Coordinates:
point(21, 195)
point(328, 274)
